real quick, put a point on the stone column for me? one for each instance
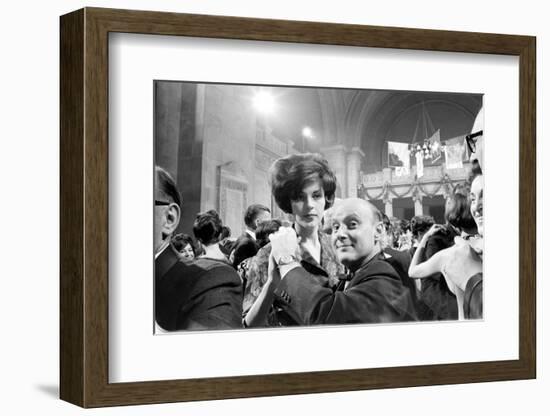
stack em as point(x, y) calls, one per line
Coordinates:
point(386, 174)
point(388, 200)
point(354, 158)
point(388, 207)
point(336, 157)
point(418, 210)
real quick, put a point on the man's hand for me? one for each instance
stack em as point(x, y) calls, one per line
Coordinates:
point(284, 243)
point(273, 275)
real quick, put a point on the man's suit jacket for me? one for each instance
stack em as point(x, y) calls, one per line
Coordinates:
point(201, 294)
point(374, 293)
point(400, 261)
point(245, 247)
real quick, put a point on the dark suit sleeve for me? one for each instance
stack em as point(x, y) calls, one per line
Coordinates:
point(374, 299)
point(216, 302)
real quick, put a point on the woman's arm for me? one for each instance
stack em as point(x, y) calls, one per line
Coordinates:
point(433, 264)
point(258, 312)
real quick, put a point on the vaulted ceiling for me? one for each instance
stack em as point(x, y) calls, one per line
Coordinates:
point(368, 118)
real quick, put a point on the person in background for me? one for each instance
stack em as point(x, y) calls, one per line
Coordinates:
point(263, 231)
point(184, 245)
point(207, 229)
point(471, 250)
point(420, 224)
point(435, 294)
point(399, 259)
point(167, 210)
point(189, 295)
point(226, 244)
point(246, 245)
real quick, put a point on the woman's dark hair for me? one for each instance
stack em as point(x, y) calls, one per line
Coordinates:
point(266, 228)
point(291, 173)
point(475, 170)
point(405, 225)
point(458, 212)
point(180, 241)
point(208, 227)
point(225, 232)
point(420, 224)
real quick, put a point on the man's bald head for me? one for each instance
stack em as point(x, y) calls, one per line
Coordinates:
point(356, 231)
point(357, 205)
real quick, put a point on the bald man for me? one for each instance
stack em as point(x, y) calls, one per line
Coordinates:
point(373, 292)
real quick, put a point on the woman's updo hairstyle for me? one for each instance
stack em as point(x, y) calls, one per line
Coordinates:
point(208, 227)
point(290, 174)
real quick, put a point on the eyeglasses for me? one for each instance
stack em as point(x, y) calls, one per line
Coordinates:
point(471, 140)
point(162, 202)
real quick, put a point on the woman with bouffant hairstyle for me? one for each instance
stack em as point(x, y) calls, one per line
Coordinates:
point(304, 186)
point(289, 175)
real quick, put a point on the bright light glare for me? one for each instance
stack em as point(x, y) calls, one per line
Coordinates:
point(263, 102)
point(307, 132)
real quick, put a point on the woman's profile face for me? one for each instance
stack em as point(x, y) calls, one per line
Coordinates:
point(310, 205)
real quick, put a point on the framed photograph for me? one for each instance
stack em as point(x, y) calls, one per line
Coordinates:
point(250, 207)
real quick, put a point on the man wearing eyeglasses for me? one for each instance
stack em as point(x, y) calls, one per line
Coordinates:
point(471, 251)
point(189, 295)
point(167, 210)
point(475, 140)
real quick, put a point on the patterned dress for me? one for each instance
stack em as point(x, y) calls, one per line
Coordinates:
point(329, 272)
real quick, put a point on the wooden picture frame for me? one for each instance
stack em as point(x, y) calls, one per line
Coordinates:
point(84, 207)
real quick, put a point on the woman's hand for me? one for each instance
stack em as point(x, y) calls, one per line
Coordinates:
point(433, 229)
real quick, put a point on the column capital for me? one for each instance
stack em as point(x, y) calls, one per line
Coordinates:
point(334, 148)
point(355, 150)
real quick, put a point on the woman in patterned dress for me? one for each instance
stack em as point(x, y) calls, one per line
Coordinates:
point(304, 186)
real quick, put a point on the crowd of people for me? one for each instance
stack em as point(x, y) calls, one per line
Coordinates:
point(335, 262)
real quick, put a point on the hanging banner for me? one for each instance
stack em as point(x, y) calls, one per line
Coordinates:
point(399, 158)
point(435, 146)
point(455, 152)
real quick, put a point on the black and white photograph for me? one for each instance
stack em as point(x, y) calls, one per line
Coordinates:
point(285, 206)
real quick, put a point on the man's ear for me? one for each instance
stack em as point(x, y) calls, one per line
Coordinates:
point(378, 231)
point(171, 219)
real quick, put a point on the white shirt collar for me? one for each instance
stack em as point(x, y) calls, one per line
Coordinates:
point(251, 234)
point(163, 246)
